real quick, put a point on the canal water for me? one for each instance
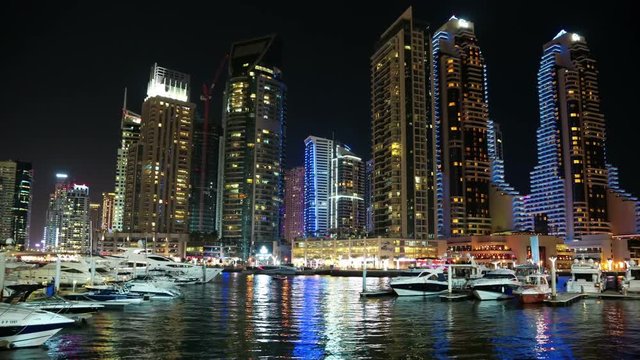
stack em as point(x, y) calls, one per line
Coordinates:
point(318, 317)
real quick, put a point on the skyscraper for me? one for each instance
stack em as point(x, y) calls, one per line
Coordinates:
point(16, 179)
point(569, 182)
point(129, 135)
point(346, 198)
point(294, 203)
point(254, 137)
point(461, 122)
point(204, 187)
point(318, 153)
point(368, 195)
point(402, 146)
point(163, 157)
point(68, 223)
point(108, 209)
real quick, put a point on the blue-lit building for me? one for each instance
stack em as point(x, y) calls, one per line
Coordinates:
point(318, 153)
point(571, 187)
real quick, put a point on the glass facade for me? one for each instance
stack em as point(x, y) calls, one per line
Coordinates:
point(16, 180)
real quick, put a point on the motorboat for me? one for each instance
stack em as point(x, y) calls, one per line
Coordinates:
point(140, 262)
point(22, 326)
point(21, 294)
point(428, 282)
point(535, 288)
point(71, 273)
point(498, 284)
point(586, 277)
point(524, 270)
point(155, 290)
point(276, 270)
point(107, 295)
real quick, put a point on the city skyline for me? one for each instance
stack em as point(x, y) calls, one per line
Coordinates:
point(519, 135)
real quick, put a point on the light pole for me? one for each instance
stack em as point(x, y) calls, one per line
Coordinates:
point(553, 276)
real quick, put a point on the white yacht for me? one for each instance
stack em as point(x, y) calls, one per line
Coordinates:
point(586, 277)
point(70, 272)
point(632, 278)
point(155, 290)
point(428, 282)
point(25, 327)
point(495, 285)
point(146, 263)
point(535, 289)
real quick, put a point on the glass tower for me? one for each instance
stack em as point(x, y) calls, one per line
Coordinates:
point(318, 153)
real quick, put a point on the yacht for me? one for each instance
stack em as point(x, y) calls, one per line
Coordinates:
point(25, 327)
point(535, 289)
point(276, 270)
point(632, 282)
point(495, 285)
point(70, 272)
point(428, 282)
point(524, 270)
point(21, 294)
point(139, 262)
point(585, 277)
point(107, 295)
point(155, 290)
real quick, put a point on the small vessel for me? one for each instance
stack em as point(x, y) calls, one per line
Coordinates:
point(498, 284)
point(534, 289)
point(276, 270)
point(278, 277)
point(153, 289)
point(632, 278)
point(586, 277)
point(22, 326)
point(428, 282)
point(21, 294)
point(524, 270)
point(107, 295)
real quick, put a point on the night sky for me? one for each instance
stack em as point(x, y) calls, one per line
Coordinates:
point(65, 66)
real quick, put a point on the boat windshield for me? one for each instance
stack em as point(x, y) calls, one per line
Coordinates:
point(499, 276)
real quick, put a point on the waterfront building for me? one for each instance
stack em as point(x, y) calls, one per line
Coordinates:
point(368, 196)
point(172, 245)
point(129, 135)
point(392, 253)
point(402, 146)
point(68, 223)
point(204, 178)
point(294, 203)
point(158, 166)
point(572, 191)
point(254, 120)
point(318, 153)
point(108, 211)
point(461, 121)
point(624, 208)
point(346, 197)
point(16, 182)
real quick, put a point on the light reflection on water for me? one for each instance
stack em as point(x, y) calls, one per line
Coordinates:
point(316, 317)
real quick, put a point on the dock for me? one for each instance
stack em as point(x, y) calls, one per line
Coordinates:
point(564, 299)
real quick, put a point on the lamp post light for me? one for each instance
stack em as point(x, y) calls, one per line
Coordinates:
point(553, 276)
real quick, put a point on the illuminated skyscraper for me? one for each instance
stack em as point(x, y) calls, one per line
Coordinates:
point(158, 193)
point(108, 209)
point(294, 203)
point(569, 183)
point(402, 146)
point(16, 180)
point(129, 135)
point(318, 153)
point(68, 223)
point(346, 198)
point(368, 196)
point(461, 122)
point(254, 138)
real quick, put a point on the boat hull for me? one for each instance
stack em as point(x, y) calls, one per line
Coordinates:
point(532, 298)
point(419, 289)
point(493, 292)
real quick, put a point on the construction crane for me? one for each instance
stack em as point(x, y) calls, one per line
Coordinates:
point(207, 92)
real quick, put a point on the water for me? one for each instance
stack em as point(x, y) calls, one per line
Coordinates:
point(316, 317)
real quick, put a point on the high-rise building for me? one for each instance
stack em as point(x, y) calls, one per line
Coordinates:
point(108, 210)
point(204, 178)
point(461, 116)
point(68, 223)
point(402, 146)
point(129, 135)
point(16, 179)
point(346, 198)
point(318, 153)
point(294, 203)
point(624, 208)
point(368, 196)
point(505, 203)
point(569, 182)
point(254, 138)
point(158, 193)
